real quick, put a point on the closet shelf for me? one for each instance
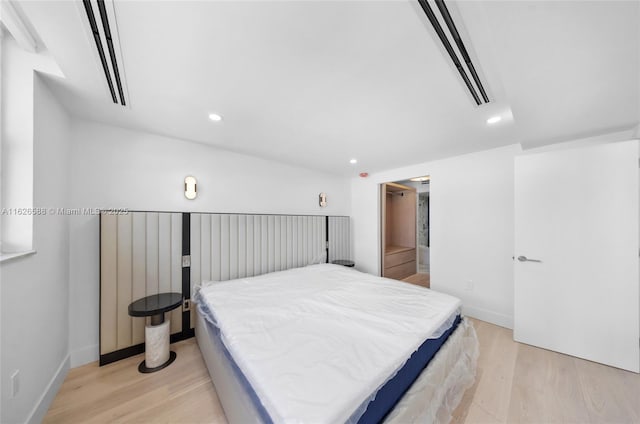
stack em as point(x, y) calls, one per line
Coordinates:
point(391, 249)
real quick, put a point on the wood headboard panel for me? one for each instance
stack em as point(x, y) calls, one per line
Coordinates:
point(141, 254)
point(224, 247)
point(339, 238)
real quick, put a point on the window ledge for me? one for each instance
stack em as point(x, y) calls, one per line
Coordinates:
point(8, 256)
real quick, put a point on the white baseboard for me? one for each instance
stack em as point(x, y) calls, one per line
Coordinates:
point(40, 410)
point(488, 316)
point(84, 355)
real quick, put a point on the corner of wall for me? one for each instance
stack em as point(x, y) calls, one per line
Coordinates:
point(42, 279)
point(84, 355)
point(42, 406)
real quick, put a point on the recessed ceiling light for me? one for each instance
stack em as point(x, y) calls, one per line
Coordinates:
point(215, 117)
point(425, 178)
point(494, 119)
point(353, 161)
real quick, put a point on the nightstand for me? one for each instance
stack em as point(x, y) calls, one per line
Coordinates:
point(156, 335)
point(344, 262)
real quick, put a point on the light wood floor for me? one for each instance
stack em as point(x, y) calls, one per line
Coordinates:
point(419, 279)
point(118, 393)
point(518, 383)
point(515, 383)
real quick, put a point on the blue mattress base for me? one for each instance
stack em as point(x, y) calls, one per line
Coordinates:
point(389, 394)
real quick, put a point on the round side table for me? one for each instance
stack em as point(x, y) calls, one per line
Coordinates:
point(344, 262)
point(156, 335)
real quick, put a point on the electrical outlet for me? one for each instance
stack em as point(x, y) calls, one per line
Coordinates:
point(15, 383)
point(468, 285)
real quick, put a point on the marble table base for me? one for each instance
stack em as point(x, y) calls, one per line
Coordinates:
point(156, 351)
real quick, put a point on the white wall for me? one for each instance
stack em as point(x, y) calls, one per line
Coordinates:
point(35, 289)
point(471, 204)
point(115, 167)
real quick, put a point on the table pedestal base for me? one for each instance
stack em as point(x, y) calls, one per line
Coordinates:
point(144, 369)
point(156, 349)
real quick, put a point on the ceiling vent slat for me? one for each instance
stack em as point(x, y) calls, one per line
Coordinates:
point(112, 52)
point(461, 47)
point(106, 31)
point(96, 36)
point(463, 50)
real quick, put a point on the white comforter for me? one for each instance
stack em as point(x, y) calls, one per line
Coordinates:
point(317, 342)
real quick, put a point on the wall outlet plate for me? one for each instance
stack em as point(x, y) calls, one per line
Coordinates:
point(15, 383)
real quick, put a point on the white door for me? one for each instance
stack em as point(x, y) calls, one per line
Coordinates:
point(576, 211)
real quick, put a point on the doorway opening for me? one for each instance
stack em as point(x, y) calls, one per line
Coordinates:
point(405, 226)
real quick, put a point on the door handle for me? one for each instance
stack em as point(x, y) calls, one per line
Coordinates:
point(525, 259)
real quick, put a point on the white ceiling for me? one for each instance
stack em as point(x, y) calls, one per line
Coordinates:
point(316, 83)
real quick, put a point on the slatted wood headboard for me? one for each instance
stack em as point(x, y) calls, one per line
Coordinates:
point(141, 254)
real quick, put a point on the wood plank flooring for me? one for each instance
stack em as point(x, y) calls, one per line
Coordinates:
point(118, 393)
point(515, 383)
point(518, 383)
point(420, 279)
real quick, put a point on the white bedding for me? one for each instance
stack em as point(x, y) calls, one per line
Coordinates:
point(317, 342)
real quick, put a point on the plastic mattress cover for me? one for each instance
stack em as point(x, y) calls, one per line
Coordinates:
point(316, 343)
point(438, 390)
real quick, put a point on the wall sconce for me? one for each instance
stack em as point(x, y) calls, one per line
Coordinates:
point(190, 187)
point(323, 199)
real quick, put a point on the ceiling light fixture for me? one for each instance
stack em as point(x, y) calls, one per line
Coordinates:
point(494, 119)
point(215, 117)
point(420, 179)
point(353, 161)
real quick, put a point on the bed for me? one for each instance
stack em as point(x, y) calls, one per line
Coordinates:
point(326, 343)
